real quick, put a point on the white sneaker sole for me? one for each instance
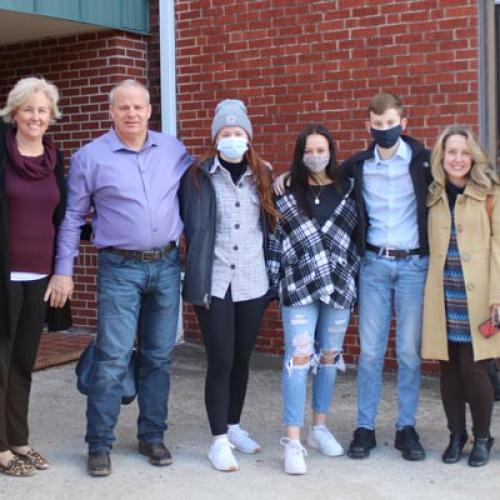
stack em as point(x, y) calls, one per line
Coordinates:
point(231, 468)
point(296, 472)
point(241, 450)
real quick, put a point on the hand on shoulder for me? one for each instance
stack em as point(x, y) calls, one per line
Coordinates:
point(280, 183)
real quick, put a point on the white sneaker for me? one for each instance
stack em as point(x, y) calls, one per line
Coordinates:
point(293, 458)
point(221, 455)
point(241, 440)
point(324, 441)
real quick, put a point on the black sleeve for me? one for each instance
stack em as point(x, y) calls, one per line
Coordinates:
point(428, 170)
point(346, 169)
point(182, 193)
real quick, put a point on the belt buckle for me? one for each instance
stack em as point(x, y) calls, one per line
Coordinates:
point(402, 254)
point(150, 255)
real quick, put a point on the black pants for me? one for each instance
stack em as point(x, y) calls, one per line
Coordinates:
point(463, 380)
point(27, 312)
point(229, 331)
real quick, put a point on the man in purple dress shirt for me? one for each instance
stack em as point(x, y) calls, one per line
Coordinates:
point(129, 177)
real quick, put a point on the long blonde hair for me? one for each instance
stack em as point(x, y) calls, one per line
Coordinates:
point(482, 174)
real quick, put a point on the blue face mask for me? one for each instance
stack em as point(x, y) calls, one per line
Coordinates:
point(386, 138)
point(232, 148)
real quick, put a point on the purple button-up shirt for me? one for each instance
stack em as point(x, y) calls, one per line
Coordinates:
point(133, 195)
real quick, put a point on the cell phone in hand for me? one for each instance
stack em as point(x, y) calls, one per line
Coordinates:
point(488, 328)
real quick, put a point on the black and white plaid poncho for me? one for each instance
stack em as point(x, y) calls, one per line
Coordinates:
point(307, 262)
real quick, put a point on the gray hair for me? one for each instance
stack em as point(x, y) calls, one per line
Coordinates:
point(126, 84)
point(23, 90)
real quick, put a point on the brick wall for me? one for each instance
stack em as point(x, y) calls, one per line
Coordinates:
point(291, 61)
point(294, 62)
point(84, 68)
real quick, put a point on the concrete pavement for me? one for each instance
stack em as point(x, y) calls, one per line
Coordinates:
point(58, 424)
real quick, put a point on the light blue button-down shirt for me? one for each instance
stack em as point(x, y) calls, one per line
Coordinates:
point(390, 200)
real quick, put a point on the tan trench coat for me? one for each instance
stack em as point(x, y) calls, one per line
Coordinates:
point(479, 246)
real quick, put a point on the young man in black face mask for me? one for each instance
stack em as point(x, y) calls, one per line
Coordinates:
point(391, 179)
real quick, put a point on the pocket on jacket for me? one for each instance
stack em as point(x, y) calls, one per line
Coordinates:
point(475, 255)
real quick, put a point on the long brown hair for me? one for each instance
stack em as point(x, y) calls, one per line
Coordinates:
point(261, 172)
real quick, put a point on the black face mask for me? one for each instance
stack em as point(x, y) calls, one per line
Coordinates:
point(386, 138)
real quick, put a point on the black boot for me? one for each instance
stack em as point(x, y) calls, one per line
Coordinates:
point(480, 453)
point(453, 453)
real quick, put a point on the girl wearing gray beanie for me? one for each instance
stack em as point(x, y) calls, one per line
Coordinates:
point(227, 206)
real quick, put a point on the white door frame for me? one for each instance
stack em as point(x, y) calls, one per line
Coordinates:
point(168, 67)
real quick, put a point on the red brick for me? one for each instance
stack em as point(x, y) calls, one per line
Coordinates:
point(290, 61)
point(413, 60)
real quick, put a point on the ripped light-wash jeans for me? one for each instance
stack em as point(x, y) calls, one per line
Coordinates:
point(312, 330)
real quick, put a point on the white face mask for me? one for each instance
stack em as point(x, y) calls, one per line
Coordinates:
point(233, 148)
point(316, 163)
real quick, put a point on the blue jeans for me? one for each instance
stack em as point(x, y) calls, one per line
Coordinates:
point(384, 284)
point(315, 330)
point(133, 296)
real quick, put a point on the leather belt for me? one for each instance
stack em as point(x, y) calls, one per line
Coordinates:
point(142, 255)
point(392, 253)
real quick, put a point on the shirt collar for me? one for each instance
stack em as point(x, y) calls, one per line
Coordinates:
point(403, 152)
point(216, 165)
point(117, 145)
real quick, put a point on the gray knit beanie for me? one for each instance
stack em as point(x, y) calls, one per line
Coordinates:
point(231, 113)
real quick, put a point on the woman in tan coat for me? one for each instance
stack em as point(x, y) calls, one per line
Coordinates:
point(463, 285)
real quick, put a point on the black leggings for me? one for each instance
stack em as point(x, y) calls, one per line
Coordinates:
point(27, 312)
point(465, 380)
point(229, 331)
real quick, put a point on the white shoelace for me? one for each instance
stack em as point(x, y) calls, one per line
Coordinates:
point(293, 446)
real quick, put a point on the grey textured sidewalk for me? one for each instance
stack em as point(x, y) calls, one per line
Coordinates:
point(58, 421)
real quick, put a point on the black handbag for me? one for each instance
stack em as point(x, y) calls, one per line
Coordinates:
point(85, 367)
